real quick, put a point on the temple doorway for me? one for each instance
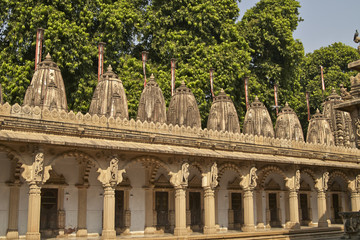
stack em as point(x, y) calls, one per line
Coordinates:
point(195, 210)
point(162, 210)
point(304, 209)
point(119, 211)
point(273, 210)
point(236, 207)
point(335, 197)
point(48, 212)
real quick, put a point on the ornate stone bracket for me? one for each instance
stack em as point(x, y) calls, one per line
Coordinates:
point(209, 179)
point(36, 173)
point(180, 178)
point(322, 182)
point(111, 176)
point(248, 181)
point(293, 182)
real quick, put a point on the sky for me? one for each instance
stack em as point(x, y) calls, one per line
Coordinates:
point(325, 22)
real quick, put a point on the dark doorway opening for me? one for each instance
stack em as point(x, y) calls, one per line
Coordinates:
point(195, 210)
point(274, 218)
point(162, 210)
point(336, 207)
point(48, 213)
point(119, 211)
point(304, 206)
point(236, 203)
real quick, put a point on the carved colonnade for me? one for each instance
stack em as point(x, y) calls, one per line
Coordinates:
point(37, 174)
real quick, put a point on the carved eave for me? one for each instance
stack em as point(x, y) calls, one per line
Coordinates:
point(109, 98)
point(257, 120)
point(319, 130)
point(46, 89)
point(183, 108)
point(223, 115)
point(152, 106)
point(288, 125)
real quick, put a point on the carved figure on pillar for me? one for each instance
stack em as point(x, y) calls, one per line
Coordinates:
point(180, 178)
point(35, 175)
point(109, 178)
point(248, 183)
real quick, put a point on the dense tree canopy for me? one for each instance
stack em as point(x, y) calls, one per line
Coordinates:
point(268, 28)
point(200, 34)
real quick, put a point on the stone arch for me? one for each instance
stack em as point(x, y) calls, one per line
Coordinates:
point(200, 167)
point(80, 155)
point(228, 166)
point(150, 160)
point(11, 153)
point(266, 171)
point(310, 173)
point(341, 175)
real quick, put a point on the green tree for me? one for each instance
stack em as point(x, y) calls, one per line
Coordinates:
point(73, 30)
point(334, 59)
point(200, 35)
point(276, 56)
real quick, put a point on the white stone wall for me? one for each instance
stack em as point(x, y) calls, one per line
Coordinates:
point(94, 204)
point(23, 208)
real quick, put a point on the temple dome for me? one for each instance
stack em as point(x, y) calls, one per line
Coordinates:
point(319, 130)
point(223, 115)
point(183, 109)
point(109, 98)
point(288, 125)
point(257, 120)
point(152, 106)
point(46, 89)
point(339, 121)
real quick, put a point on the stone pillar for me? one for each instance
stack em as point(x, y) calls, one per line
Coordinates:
point(259, 210)
point(109, 178)
point(355, 201)
point(248, 211)
point(180, 212)
point(321, 187)
point(294, 222)
point(108, 231)
point(180, 181)
point(209, 182)
point(12, 231)
point(35, 175)
point(293, 184)
point(61, 212)
point(127, 211)
point(149, 210)
point(248, 183)
point(209, 207)
point(82, 211)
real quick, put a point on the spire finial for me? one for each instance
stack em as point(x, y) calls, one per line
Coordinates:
point(152, 78)
point(109, 68)
point(48, 57)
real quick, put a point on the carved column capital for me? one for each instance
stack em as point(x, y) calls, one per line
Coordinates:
point(209, 179)
point(248, 181)
point(111, 176)
point(321, 184)
point(293, 182)
point(36, 173)
point(180, 178)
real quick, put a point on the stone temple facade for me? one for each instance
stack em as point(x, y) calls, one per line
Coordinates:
point(103, 174)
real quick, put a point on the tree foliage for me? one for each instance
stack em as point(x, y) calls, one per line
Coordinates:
point(268, 28)
point(73, 30)
point(334, 59)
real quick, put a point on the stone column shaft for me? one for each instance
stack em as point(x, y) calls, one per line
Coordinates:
point(108, 231)
point(355, 201)
point(12, 232)
point(33, 224)
point(293, 210)
point(321, 199)
point(180, 212)
point(209, 207)
point(82, 211)
point(149, 211)
point(259, 210)
point(248, 211)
